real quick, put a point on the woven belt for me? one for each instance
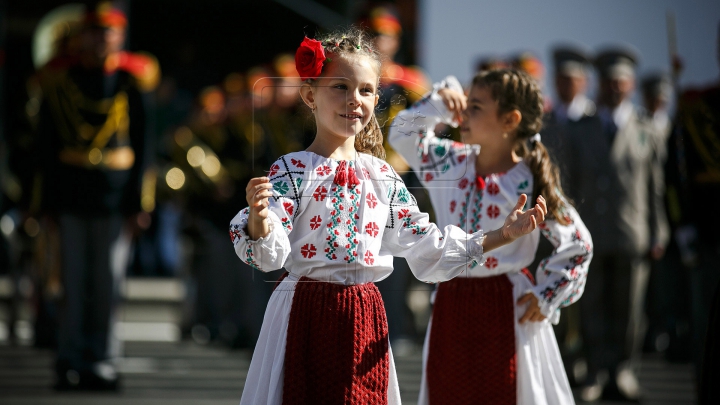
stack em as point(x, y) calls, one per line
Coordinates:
point(121, 158)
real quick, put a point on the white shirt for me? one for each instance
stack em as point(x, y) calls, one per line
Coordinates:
point(447, 170)
point(348, 234)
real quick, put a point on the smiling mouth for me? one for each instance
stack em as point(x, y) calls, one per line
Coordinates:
point(351, 116)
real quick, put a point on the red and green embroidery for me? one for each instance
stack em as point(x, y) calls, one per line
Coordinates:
point(339, 225)
point(250, 258)
point(405, 216)
point(286, 224)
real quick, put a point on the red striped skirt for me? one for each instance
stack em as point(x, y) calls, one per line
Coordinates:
point(471, 358)
point(337, 345)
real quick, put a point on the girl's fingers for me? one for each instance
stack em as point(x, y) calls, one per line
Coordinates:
point(520, 202)
point(525, 298)
point(254, 182)
point(540, 213)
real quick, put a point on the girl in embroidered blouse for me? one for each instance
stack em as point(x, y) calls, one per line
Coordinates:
point(490, 334)
point(333, 216)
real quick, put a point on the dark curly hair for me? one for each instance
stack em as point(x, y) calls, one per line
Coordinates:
point(515, 90)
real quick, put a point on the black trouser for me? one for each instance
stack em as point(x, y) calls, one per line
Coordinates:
point(612, 311)
point(90, 290)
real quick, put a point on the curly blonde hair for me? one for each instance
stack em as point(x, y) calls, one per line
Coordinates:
point(349, 43)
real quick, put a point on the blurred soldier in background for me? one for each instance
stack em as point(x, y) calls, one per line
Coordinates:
point(617, 182)
point(400, 86)
point(572, 66)
point(93, 126)
point(693, 172)
point(656, 94)
point(571, 112)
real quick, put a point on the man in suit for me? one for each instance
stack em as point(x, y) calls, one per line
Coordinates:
point(616, 180)
point(92, 133)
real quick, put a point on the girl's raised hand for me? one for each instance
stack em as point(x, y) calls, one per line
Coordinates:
point(257, 193)
point(455, 102)
point(520, 223)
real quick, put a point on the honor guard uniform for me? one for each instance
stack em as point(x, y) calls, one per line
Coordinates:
point(400, 85)
point(693, 173)
point(656, 93)
point(572, 67)
point(616, 178)
point(571, 111)
point(92, 130)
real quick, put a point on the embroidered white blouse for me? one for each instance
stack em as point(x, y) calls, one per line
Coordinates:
point(460, 197)
point(343, 221)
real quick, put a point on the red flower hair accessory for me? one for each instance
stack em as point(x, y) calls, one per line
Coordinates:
point(309, 59)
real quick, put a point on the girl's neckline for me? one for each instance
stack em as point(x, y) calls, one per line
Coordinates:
point(499, 174)
point(357, 156)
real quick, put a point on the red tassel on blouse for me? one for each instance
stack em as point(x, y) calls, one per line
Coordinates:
point(345, 175)
point(480, 183)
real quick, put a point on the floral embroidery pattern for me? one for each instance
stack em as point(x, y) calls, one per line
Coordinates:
point(315, 222)
point(493, 211)
point(343, 226)
point(369, 260)
point(273, 170)
point(250, 258)
point(372, 229)
point(286, 224)
point(371, 200)
point(491, 262)
point(493, 188)
point(308, 250)
point(320, 193)
point(298, 163)
point(288, 207)
point(281, 187)
point(405, 216)
point(323, 171)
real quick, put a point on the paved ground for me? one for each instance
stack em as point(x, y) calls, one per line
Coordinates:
point(189, 374)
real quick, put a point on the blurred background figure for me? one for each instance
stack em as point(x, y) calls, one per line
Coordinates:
point(657, 93)
point(693, 172)
point(93, 126)
point(572, 67)
point(529, 63)
point(489, 63)
point(616, 179)
point(571, 114)
point(400, 86)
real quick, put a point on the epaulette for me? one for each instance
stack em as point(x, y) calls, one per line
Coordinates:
point(143, 67)
point(409, 78)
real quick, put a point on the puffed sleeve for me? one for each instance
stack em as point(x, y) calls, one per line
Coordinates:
point(270, 252)
point(412, 132)
point(561, 276)
point(433, 255)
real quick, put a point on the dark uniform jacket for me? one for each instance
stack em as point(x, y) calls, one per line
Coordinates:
point(93, 135)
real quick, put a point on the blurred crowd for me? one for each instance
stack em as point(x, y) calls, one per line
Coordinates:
point(120, 171)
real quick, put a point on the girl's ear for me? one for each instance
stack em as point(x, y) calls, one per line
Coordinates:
point(511, 120)
point(377, 99)
point(308, 95)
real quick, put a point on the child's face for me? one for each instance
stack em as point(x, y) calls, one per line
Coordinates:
point(346, 96)
point(480, 121)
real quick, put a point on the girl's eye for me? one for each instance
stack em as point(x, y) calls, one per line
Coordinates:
point(340, 86)
point(368, 90)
